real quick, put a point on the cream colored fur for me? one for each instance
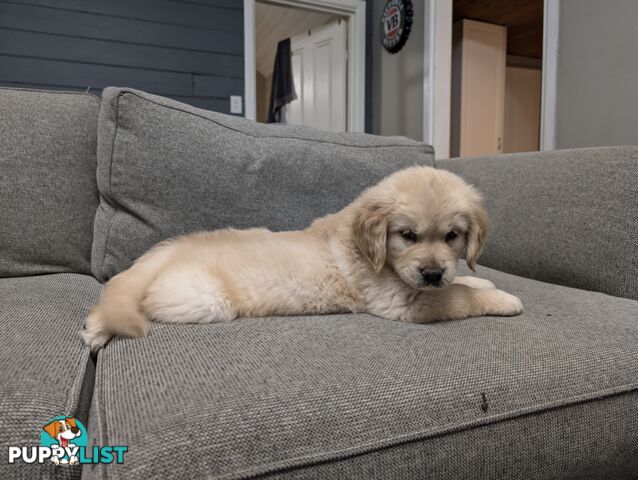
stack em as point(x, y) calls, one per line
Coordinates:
point(356, 260)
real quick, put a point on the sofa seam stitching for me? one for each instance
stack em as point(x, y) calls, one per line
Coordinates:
point(78, 373)
point(425, 148)
point(110, 190)
point(81, 383)
point(71, 404)
point(392, 442)
point(99, 409)
point(105, 430)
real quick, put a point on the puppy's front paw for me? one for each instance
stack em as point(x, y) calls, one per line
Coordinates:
point(504, 304)
point(474, 282)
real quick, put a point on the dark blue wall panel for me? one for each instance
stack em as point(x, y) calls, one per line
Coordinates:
point(190, 50)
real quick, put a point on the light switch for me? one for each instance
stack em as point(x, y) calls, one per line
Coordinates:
point(235, 104)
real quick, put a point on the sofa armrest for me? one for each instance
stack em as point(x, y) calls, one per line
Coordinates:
point(568, 217)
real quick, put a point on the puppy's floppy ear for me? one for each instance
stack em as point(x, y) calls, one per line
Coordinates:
point(52, 428)
point(476, 235)
point(71, 421)
point(370, 231)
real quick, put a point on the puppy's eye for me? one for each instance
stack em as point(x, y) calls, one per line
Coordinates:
point(409, 235)
point(451, 236)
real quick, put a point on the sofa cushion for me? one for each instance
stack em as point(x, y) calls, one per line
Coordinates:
point(552, 393)
point(43, 360)
point(568, 217)
point(165, 168)
point(48, 190)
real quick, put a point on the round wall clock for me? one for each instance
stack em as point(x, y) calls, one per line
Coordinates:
point(396, 23)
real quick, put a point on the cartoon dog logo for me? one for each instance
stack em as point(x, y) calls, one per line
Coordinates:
point(63, 431)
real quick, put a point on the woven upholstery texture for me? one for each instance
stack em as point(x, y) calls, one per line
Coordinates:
point(561, 443)
point(262, 396)
point(48, 192)
point(552, 393)
point(43, 360)
point(166, 168)
point(568, 217)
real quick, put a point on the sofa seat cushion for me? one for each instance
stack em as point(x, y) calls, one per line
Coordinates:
point(552, 393)
point(166, 168)
point(48, 189)
point(43, 360)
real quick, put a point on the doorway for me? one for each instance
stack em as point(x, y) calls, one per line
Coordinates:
point(497, 58)
point(440, 15)
point(327, 40)
point(317, 52)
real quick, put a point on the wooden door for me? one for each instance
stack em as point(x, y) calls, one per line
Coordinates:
point(522, 110)
point(478, 105)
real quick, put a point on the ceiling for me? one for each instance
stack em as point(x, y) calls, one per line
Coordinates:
point(523, 19)
point(274, 23)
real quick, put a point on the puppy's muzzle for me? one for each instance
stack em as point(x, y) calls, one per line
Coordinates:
point(432, 276)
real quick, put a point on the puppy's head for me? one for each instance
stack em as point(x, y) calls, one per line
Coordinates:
point(417, 223)
point(66, 428)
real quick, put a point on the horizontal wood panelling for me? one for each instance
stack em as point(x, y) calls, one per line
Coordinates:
point(188, 50)
point(215, 104)
point(236, 4)
point(207, 86)
point(77, 75)
point(123, 30)
point(58, 47)
point(97, 77)
point(38, 86)
point(162, 11)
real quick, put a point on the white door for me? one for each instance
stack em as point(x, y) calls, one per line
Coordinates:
point(319, 70)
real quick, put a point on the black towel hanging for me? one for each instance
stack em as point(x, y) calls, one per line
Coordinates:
point(283, 85)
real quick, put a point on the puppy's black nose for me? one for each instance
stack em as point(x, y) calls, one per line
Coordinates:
point(432, 276)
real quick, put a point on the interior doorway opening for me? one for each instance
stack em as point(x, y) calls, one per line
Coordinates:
point(497, 58)
point(347, 16)
point(318, 49)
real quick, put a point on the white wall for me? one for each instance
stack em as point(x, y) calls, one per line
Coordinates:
point(597, 77)
point(397, 79)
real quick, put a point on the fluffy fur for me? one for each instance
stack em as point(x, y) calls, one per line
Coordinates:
point(392, 253)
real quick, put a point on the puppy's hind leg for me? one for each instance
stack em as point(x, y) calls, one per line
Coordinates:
point(188, 293)
point(118, 312)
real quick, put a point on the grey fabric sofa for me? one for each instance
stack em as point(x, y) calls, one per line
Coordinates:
point(87, 184)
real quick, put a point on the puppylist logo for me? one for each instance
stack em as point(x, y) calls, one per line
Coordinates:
point(63, 441)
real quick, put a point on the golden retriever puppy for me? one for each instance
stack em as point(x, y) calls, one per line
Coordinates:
point(393, 253)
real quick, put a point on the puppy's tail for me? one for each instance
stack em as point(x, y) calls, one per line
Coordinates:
point(119, 311)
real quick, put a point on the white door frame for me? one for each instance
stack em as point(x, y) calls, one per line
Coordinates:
point(437, 75)
point(354, 11)
point(551, 12)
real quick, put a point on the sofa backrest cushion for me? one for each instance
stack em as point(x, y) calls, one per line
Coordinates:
point(166, 168)
point(568, 217)
point(48, 191)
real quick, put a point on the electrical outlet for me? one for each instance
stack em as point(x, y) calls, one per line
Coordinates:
point(235, 104)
